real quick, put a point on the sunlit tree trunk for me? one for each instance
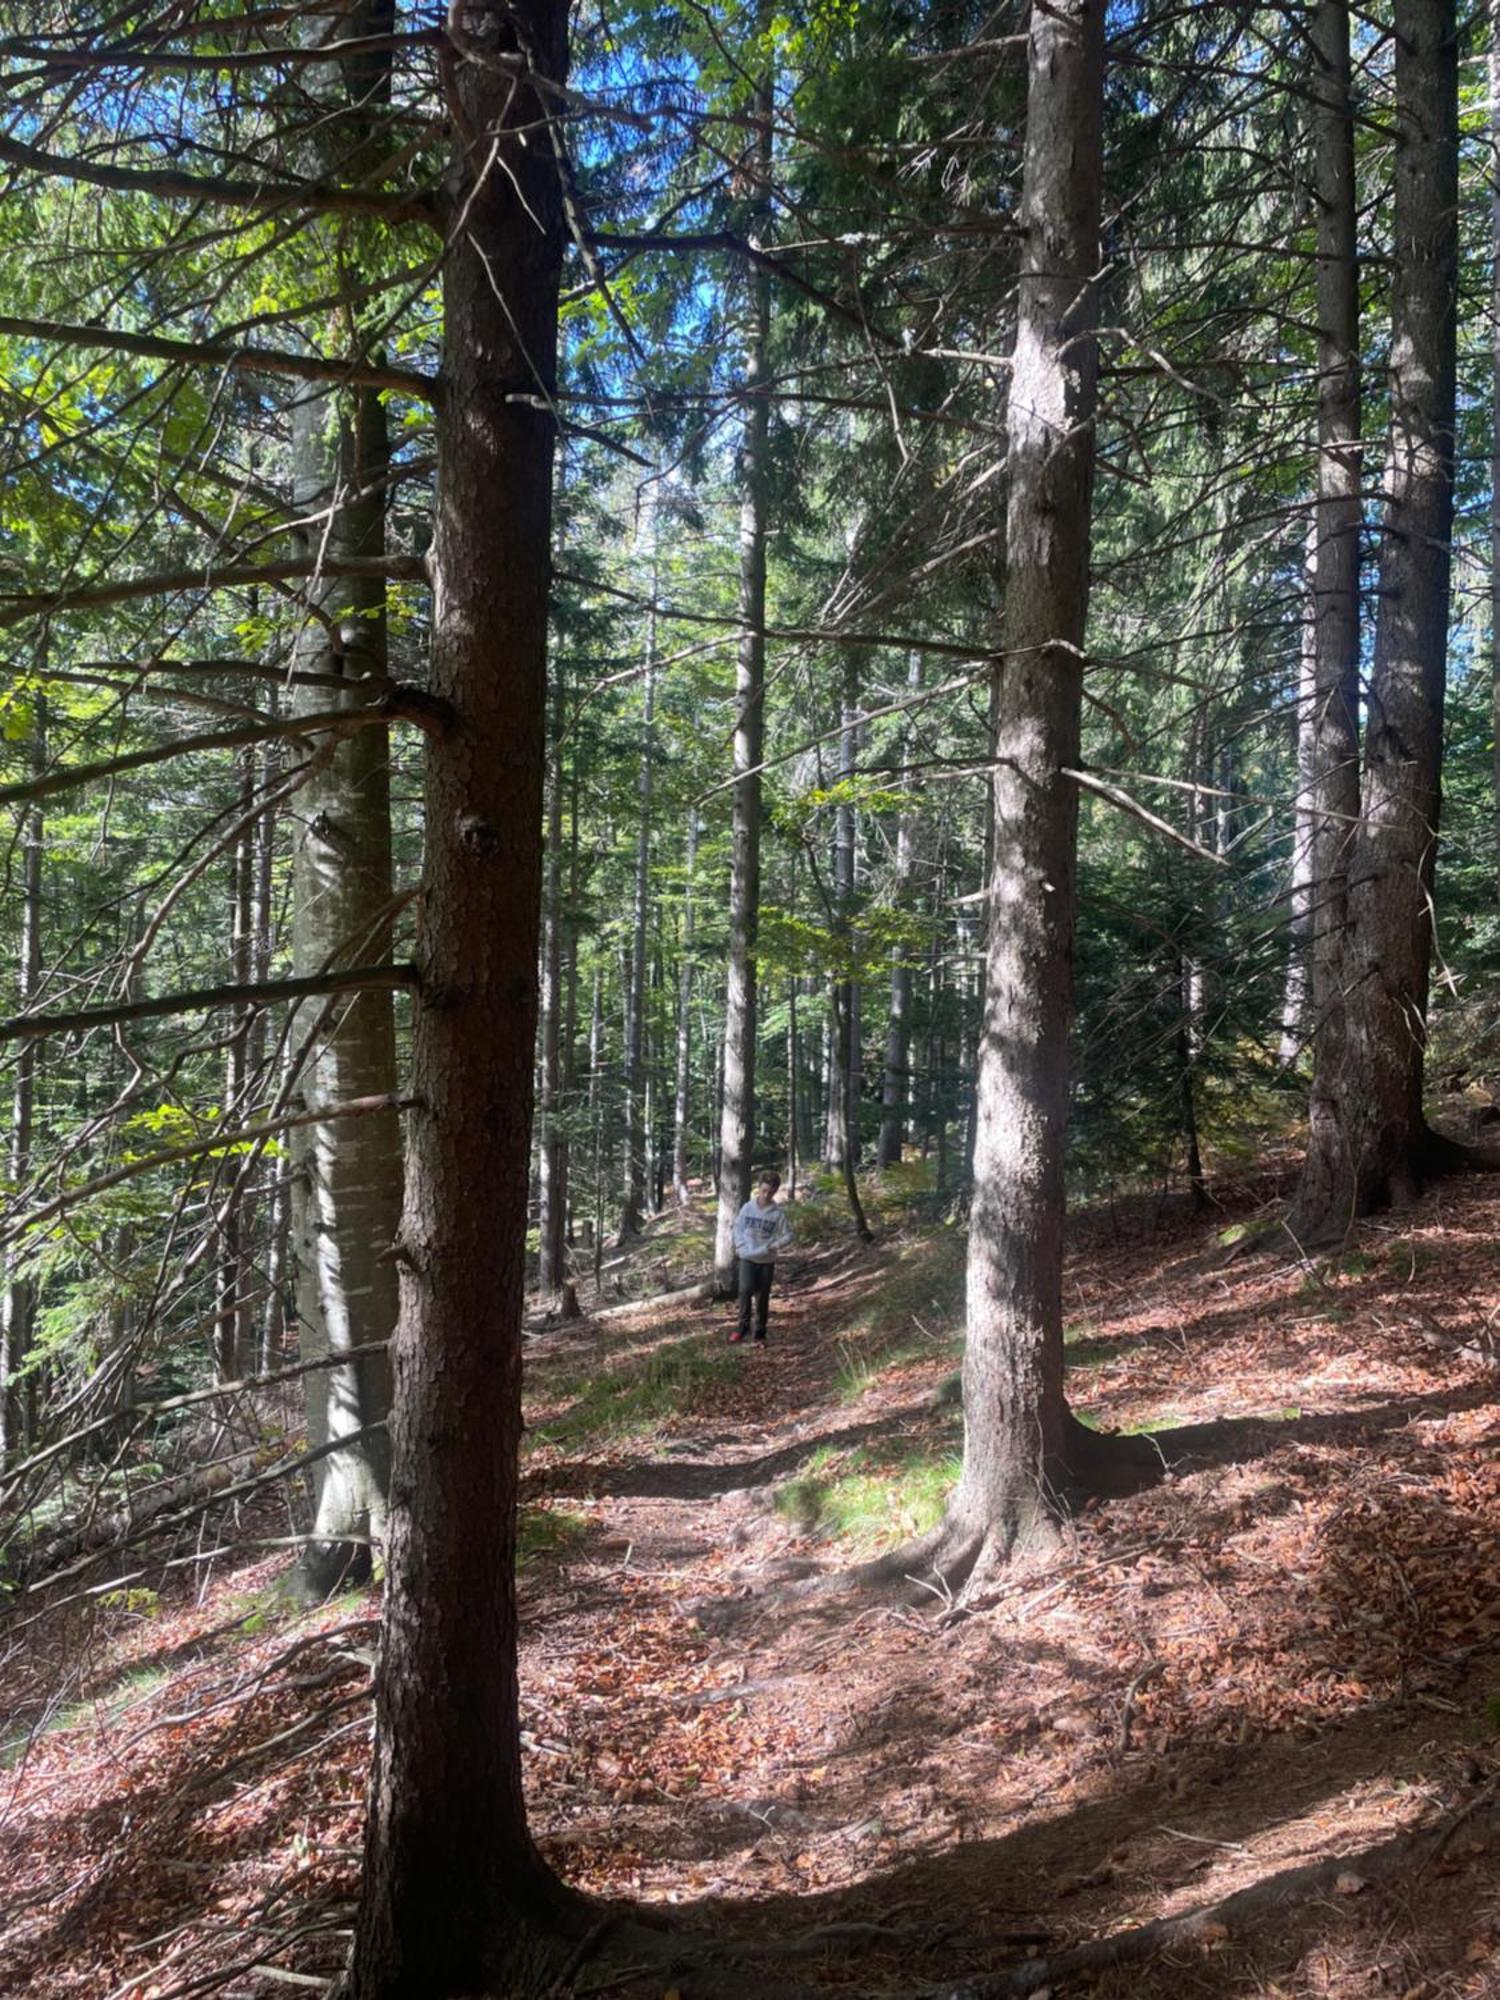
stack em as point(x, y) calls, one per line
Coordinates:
point(682, 1093)
point(1021, 1448)
point(737, 1120)
point(346, 1189)
point(638, 1135)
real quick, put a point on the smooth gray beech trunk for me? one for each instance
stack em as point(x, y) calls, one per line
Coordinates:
point(456, 1900)
point(1368, 1143)
point(346, 1184)
point(18, 1299)
point(1022, 1450)
point(737, 1116)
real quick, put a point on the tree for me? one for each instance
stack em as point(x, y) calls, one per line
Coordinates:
point(1369, 1143)
point(1022, 1449)
point(737, 1124)
point(455, 1898)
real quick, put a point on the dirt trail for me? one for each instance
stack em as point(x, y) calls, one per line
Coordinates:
point(1284, 1653)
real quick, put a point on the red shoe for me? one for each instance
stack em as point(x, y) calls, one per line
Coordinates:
point(735, 1339)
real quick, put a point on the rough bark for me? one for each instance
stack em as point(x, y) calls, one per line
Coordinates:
point(1494, 81)
point(737, 1118)
point(456, 1900)
point(1022, 1450)
point(1333, 725)
point(1368, 1144)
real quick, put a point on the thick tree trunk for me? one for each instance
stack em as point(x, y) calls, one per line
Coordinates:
point(1021, 1448)
point(18, 1301)
point(1368, 1144)
point(1334, 786)
point(456, 1900)
point(737, 1122)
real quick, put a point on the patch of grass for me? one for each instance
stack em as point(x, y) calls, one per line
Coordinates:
point(870, 1504)
point(547, 1531)
point(626, 1398)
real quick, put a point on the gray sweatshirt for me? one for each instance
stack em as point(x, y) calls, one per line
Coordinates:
point(760, 1232)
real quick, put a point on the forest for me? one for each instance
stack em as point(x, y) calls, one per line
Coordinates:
point(749, 1059)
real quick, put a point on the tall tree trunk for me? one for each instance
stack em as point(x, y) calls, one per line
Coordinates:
point(1021, 1448)
point(637, 1120)
point(552, 1253)
point(232, 1340)
point(1335, 783)
point(18, 1301)
point(846, 1069)
point(737, 1123)
point(895, 1087)
point(1368, 1144)
point(346, 1194)
point(681, 1099)
point(456, 1900)
point(1494, 82)
point(1302, 889)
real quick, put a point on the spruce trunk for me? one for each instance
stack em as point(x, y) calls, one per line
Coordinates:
point(456, 1900)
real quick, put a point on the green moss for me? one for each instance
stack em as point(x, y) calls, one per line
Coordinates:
point(626, 1398)
point(547, 1531)
point(871, 1504)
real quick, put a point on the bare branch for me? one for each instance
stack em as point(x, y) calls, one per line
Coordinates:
point(168, 185)
point(227, 355)
point(406, 705)
point(14, 606)
point(256, 993)
point(211, 1142)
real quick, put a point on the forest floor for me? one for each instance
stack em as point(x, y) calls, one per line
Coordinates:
point(1266, 1689)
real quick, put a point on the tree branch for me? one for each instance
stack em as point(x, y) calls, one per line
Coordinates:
point(245, 1135)
point(407, 705)
point(14, 606)
point(168, 185)
point(227, 355)
point(256, 993)
point(729, 244)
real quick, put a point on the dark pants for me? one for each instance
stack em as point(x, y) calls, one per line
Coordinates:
point(755, 1289)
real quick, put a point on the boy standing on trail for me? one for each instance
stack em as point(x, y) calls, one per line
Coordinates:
point(760, 1230)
